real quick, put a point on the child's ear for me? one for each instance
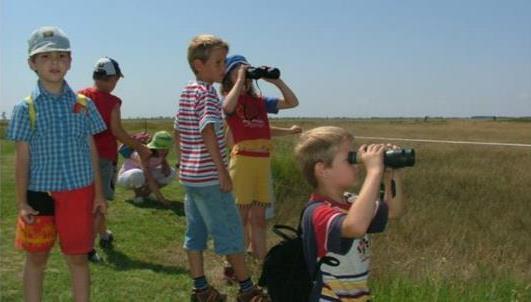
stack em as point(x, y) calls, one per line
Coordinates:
point(31, 64)
point(320, 170)
point(198, 65)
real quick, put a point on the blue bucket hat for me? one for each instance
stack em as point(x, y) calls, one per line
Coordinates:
point(233, 61)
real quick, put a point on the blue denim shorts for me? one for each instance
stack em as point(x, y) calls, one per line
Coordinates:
point(212, 212)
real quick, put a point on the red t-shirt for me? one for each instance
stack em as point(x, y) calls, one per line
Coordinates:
point(249, 120)
point(105, 102)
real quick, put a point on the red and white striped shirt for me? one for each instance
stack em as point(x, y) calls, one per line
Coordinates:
point(199, 105)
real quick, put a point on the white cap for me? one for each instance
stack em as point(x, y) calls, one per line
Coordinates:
point(107, 67)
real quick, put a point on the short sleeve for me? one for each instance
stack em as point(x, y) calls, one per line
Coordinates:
point(208, 109)
point(336, 243)
point(19, 128)
point(327, 223)
point(96, 123)
point(271, 104)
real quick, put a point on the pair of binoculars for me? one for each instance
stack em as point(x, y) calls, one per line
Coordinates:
point(256, 73)
point(393, 158)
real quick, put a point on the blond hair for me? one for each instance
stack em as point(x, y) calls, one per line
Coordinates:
point(201, 47)
point(319, 145)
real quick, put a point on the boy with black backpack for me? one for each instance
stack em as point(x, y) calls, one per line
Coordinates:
point(335, 224)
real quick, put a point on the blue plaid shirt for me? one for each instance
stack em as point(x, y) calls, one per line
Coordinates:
point(59, 142)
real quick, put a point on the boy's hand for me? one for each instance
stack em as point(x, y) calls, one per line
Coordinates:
point(295, 129)
point(99, 206)
point(272, 81)
point(225, 182)
point(242, 73)
point(372, 157)
point(27, 213)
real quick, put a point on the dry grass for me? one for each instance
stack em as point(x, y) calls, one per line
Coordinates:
point(465, 237)
point(469, 206)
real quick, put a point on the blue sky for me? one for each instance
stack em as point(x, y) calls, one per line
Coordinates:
point(342, 58)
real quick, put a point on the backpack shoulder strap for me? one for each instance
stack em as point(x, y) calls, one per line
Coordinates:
point(81, 99)
point(316, 265)
point(299, 226)
point(31, 111)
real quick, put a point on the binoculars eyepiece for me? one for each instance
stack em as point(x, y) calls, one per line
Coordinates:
point(256, 73)
point(393, 158)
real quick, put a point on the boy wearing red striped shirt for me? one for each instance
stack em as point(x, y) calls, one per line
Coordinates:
point(209, 204)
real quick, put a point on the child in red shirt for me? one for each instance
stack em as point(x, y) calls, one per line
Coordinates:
point(106, 75)
point(246, 115)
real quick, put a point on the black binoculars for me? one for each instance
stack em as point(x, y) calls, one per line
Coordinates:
point(393, 158)
point(256, 73)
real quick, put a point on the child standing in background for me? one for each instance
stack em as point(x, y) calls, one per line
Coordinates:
point(250, 165)
point(106, 75)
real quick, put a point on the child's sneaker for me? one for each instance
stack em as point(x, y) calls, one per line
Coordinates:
point(254, 295)
point(229, 276)
point(106, 241)
point(94, 257)
point(208, 295)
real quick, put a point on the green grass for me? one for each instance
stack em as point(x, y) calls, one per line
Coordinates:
point(466, 235)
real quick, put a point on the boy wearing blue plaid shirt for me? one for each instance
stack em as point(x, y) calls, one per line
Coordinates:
point(57, 174)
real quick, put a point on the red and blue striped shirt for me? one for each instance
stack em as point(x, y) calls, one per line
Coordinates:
point(321, 229)
point(199, 106)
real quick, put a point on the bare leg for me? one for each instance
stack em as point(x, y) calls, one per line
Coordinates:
point(244, 216)
point(258, 231)
point(248, 235)
point(195, 259)
point(34, 275)
point(78, 265)
point(100, 225)
point(237, 261)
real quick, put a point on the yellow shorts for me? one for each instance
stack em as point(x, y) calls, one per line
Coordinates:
point(250, 179)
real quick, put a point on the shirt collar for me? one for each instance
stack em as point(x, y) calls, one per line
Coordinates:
point(39, 90)
point(321, 198)
point(203, 83)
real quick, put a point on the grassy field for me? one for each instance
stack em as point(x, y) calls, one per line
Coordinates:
point(466, 235)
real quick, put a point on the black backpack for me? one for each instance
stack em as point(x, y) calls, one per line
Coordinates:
point(284, 272)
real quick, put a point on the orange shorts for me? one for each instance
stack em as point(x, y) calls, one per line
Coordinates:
point(36, 237)
point(73, 222)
